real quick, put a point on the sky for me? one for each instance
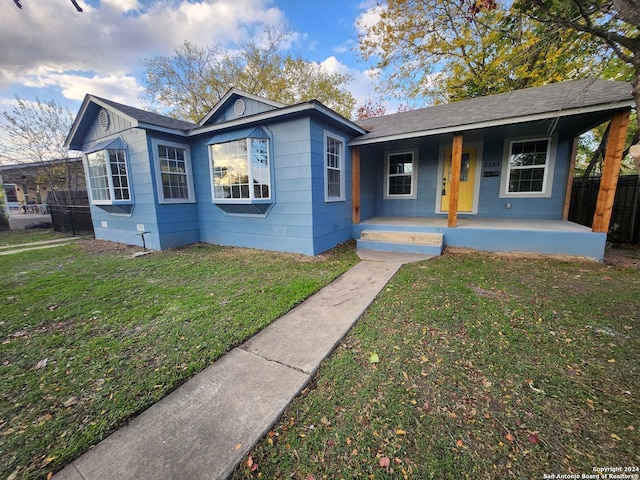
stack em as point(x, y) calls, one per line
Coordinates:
point(50, 51)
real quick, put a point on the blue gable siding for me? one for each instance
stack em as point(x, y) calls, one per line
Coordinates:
point(227, 111)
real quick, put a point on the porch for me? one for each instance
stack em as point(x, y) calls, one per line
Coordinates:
point(551, 237)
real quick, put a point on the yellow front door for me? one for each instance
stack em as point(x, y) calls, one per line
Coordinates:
point(467, 180)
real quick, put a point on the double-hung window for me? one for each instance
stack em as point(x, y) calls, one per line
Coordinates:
point(108, 176)
point(528, 168)
point(173, 172)
point(333, 168)
point(400, 175)
point(241, 171)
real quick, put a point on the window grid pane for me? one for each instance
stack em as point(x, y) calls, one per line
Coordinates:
point(527, 164)
point(260, 172)
point(230, 170)
point(334, 168)
point(400, 175)
point(119, 174)
point(98, 176)
point(173, 166)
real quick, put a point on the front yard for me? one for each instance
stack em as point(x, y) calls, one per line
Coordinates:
point(466, 366)
point(474, 366)
point(91, 336)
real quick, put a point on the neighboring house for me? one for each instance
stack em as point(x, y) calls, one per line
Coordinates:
point(490, 173)
point(26, 183)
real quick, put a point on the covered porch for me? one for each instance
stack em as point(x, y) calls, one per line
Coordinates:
point(507, 211)
point(551, 237)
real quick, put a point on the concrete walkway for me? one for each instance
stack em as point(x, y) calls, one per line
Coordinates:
point(204, 429)
point(25, 247)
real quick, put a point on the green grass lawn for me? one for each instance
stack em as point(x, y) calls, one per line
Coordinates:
point(91, 337)
point(489, 367)
point(16, 237)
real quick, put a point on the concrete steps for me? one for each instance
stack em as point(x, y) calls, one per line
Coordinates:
point(401, 242)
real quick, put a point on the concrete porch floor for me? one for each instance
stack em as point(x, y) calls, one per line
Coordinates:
point(483, 223)
point(549, 237)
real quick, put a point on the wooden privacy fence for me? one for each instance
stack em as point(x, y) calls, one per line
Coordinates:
point(625, 217)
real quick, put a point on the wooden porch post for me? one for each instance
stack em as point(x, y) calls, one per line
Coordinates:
point(454, 186)
point(355, 184)
point(610, 171)
point(572, 168)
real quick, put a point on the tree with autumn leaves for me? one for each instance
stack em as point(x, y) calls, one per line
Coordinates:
point(446, 50)
point(190, 82)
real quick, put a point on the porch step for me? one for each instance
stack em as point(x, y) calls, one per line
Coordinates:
point(404, 242)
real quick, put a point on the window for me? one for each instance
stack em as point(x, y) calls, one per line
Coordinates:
point(108, 176)
point(240, 170)
point(527, 168)
point(173, 172)
point(400, 175)
point(333, 169)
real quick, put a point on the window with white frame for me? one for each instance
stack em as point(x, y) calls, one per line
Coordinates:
point(333, 168)
point(400, 175)
point(108, 176)
point(241, 170)
point(173, 172)
point(527, 168)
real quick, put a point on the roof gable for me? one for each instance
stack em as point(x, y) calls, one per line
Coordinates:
point(547, 101)
point(99, 117)
point(237, 104)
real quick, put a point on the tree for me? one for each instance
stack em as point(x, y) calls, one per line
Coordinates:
point(443, 50)
point(195, 78)
point(437, 51)
point(614, 24)
point(35, 133)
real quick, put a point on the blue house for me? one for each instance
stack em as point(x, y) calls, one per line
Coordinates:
point(491, 173)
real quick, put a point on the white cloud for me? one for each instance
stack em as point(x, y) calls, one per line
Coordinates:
point(74, 85)
point(113, 38)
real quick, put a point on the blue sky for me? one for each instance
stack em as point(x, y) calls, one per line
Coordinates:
point(50, 51)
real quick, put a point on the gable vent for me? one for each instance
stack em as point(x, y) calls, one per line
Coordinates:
point(239, 107)
point(103, 117)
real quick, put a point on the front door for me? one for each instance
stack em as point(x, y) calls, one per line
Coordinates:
point(467, 180)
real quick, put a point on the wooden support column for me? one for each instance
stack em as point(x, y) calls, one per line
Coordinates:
point(355, 184)
point(610, 171)
point(572, 168)
point(454, 186)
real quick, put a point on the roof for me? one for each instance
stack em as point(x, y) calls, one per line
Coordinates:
point(155, 121)
point(535, 103)
point(146, 117)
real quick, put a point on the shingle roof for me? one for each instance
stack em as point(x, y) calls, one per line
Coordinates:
point(149, 118)
point(547, 101)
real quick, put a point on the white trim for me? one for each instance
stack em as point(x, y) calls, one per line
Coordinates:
point(414, 175)
point(158, 172)
point(112, 200)
point(343, 150)
point(476, 184)
point(251, 199)
point(547, 181)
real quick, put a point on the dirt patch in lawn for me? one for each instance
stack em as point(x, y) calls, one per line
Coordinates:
point(104, 247)
point(623, 255)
